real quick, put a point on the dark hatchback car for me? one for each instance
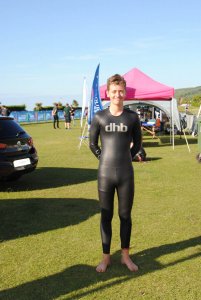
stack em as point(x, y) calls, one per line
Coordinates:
point(17, 152)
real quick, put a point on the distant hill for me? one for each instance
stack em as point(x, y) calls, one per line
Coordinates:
point(187, 92)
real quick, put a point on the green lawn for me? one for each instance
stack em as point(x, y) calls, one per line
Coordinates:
point(49, 225)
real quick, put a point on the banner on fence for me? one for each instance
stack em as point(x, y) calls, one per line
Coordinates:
point(39, 116)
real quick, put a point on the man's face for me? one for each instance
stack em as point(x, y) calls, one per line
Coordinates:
point(116, 93)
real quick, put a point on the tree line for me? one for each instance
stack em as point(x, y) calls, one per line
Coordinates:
point(194, 101)
point(191, 96)
point(39, 106)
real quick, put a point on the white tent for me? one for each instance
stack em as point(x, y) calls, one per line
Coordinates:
point(169, 108)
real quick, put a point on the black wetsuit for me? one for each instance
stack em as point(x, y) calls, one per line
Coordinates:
point(115, 168)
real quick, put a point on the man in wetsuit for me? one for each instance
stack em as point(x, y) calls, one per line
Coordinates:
point(118, 129)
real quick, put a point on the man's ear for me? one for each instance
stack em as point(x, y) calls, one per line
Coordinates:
point(107, 93)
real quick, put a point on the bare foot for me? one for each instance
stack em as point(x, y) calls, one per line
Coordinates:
point(129, 263)
point(104, 264)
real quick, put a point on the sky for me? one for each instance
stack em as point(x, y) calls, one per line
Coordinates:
point(47, 47)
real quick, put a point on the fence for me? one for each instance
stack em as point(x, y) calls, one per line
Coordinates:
point(39, 116)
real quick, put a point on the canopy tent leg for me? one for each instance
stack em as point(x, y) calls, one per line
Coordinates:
point(172, 116)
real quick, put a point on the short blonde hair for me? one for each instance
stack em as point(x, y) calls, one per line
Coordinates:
point(116, 79)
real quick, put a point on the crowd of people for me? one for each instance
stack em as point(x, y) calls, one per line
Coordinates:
point(68, 112)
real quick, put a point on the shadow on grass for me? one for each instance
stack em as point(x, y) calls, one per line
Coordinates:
point(21, 217)
point(164, 140)
point(71, 281)
point(148, 259)
point(147, 159)
point(153, 158)
point(45, 178)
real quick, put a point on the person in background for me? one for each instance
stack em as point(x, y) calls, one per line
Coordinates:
point(55, 116)
point(4, 111)
point(117, 128)
point(67, 116)
point(72, 113)
point(138, 112)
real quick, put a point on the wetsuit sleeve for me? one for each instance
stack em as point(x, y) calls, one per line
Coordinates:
point(94, 136)
point(137, 137)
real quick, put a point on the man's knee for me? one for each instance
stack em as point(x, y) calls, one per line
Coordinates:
point(106, 215)
point(125, 217)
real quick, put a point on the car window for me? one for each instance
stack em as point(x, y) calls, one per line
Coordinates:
point(9, 128)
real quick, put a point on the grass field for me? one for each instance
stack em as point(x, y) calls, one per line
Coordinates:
point(49, 225)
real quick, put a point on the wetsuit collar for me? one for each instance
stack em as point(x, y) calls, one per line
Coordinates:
point(116, 115)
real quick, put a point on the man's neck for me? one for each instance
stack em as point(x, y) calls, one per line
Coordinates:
point(116, 110)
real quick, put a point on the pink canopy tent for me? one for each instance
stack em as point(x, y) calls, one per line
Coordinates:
point(142, 87)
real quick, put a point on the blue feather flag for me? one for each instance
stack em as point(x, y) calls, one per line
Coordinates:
point(95, 102)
